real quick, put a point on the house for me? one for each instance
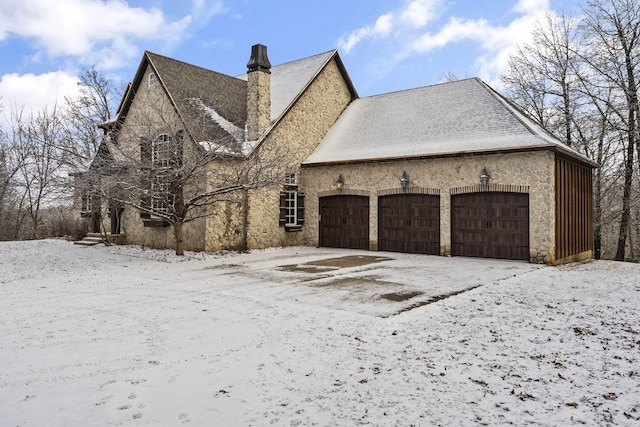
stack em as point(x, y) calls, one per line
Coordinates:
point(452, 169)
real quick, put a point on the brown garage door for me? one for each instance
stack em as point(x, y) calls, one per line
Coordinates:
point(344, 222)
point(490, 225)
point(409, 223)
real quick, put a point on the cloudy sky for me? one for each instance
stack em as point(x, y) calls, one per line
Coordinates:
point(386, 45)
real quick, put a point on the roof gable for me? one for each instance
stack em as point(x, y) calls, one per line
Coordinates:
point(451, 118)
point(208, 103)
point(213, 106)
point(289, 80)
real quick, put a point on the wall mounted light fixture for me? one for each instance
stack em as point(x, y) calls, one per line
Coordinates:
point(484, 177)
point(404, 181)
point(340, 182)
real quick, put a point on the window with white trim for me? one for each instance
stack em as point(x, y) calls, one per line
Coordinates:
point(291, 209)
point(291, 179)
point(291, 204)
point(162, 200)
point(152, 79)
point(162, 151)
point(87, 203)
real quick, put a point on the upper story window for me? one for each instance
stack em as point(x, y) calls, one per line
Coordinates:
point(162, 151)
point(291, 179)
point(152, 79)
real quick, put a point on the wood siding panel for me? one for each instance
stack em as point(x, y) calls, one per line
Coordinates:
point(574, 210)
point(409, 223)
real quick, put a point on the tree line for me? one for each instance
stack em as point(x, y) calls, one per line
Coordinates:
point(40, 150)
point(578, 77)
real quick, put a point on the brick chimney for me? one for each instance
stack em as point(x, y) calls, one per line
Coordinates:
point(258, 93)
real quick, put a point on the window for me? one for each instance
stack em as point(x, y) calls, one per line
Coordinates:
point(291, 179)
point(161, 160)
point(152, 79)
point(162, 200)
point(162, 152)
point(291, 208)
point(291, 204)
point(87, 204)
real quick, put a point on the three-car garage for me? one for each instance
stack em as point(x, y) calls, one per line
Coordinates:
point(483, 224)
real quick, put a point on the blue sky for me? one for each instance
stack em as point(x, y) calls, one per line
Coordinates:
point(386, 45)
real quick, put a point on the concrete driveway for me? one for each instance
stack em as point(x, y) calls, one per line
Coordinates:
point(377, 283)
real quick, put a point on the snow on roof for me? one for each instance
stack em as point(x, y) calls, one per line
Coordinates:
point(245, 147)
point(288, 80)
point(236, 132)
point(116, 153)
point(456, 117)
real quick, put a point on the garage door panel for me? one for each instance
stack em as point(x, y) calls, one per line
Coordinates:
point(409, 223)
point(491, 225)
point(344, 222)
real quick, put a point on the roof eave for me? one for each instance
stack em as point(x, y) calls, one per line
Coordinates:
point(550, 147)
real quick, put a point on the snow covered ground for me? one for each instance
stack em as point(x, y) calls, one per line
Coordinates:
point(122, 336)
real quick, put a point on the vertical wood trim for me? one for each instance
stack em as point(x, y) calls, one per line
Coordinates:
point(574, 215)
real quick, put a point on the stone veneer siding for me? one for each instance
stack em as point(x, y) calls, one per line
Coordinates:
point(152, 111)
point(291, 140)
point(258, 104)
point(529, 172)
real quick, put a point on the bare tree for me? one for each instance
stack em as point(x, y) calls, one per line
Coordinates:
point(579, 82)
point(612, 35)
point(95, 104)
point(542, 75)
point(35, 139)
point(176, 175)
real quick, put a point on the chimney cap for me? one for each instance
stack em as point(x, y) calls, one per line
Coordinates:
point(259, 60)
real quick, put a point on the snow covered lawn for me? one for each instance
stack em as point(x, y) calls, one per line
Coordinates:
point(305, 336)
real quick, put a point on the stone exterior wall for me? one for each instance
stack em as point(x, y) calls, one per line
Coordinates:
point(289, 142)
point(151, 114)
point(225, 225)
point(530, 172)
point(258, 104)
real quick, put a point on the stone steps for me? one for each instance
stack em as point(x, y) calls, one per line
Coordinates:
point(93, 239)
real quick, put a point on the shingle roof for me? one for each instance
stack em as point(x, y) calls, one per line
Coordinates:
point(222, 100)
point(451, 118)
point(193, 87)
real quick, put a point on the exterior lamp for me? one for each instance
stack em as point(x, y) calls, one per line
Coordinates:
point(404, 181)
point(340, 182)
point(484, 177)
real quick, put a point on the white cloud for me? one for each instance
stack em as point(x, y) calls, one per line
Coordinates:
point(413, 30)
point(416, 14)
point(419, 13)
point(82, 27)
point(529, 6)
point(381, 28)
point(36, 91)
point(455, 30)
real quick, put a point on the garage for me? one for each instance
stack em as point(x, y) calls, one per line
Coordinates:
point(490, 225)
point(409, 223)
point(344, 222)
